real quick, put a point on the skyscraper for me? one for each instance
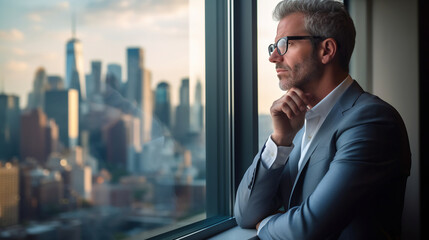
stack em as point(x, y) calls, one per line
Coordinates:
point(34, 138)
point(52, 133)
point(139, 89)
point(55, 83)
point(40, 84)
point(184, 92)
point(81, 174)
point(96, 77)
point(147, 106)
point(63, 107)
point(115, 135)
point(9, 126)
point(183, 111)
point(163, 103)
point(114, 76)
point(197, 111)
point(9, 195)
point(135, 75)
point(89, 83)
point(75, 78)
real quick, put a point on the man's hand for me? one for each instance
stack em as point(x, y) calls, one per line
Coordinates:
point(288, 114)
point(259, 223)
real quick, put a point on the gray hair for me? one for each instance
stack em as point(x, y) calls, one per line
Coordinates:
point(327, 19)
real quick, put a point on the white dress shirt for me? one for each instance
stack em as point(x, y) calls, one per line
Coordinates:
point(274, 156)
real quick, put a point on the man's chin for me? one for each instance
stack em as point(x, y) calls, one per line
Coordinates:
point(284, 85)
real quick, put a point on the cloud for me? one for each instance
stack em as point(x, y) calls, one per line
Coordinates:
point(51, 13)
point(18, 51)
point(8, 51)
point(34, 17)
point(134, 13)
point(141, 6)
point(37, 27)
point(63, 5)
point(16, 65)
point(52, 8)
point(11, 35)
point(50, 56)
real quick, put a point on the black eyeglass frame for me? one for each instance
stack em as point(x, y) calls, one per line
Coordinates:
point(287, 38)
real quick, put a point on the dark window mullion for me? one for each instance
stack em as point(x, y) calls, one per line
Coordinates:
point(218, 179)
point(245, 86)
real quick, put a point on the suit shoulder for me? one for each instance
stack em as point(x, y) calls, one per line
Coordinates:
point(369, 106)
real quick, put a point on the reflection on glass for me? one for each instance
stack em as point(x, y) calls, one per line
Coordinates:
point(102, 134)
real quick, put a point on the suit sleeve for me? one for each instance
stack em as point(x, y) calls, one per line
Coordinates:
point(371, 148)
point(257, 195)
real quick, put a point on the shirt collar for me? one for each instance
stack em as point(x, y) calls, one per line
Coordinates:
point(327, 103)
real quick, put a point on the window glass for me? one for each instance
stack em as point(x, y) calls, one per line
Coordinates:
point(102, 129)
point(268, 88)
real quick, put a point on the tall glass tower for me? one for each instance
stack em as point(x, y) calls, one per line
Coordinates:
point(163, 103)
point(135, 75)
point(197, 110)
point(40, 84)
point(183, 112)
point(75, 78)
point(96, 77)
point(114, 76)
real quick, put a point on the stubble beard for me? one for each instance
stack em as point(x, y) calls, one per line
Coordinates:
point(300, 75)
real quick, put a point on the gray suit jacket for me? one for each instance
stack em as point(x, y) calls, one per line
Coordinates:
point(351, 183)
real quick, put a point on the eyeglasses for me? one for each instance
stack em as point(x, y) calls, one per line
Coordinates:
point(283, 43)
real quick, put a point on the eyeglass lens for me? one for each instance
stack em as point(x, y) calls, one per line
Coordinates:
point(281, 47)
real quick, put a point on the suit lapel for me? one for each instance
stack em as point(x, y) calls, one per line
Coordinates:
point(295, 155)
point(345, 102)
point(327, 125)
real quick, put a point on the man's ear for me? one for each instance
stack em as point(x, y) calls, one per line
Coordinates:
point(328, 50)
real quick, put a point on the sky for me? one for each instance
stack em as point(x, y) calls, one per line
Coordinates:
point(33, 34)
point(268, 83)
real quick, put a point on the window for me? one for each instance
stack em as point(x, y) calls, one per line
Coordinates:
point(125, 119)
point(102, 118)
point(268, 88)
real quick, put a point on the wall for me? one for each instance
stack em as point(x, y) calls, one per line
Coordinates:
point(395, 79)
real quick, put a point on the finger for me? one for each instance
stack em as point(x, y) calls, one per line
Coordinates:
point(290, 108)
point(299, 101)
point(277, 104)
point(281, 109)
point(305, 97)
point(276, 107)
point(292, 103)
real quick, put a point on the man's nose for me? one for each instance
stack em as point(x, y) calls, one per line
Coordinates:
point(275, 57)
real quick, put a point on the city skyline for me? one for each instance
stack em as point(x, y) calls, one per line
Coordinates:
point(65, 168)
point(34, 35)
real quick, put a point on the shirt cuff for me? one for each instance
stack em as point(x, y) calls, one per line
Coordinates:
point(265, 221)
point(274, 156)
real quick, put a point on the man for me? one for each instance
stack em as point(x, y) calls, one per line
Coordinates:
point(336, 164)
